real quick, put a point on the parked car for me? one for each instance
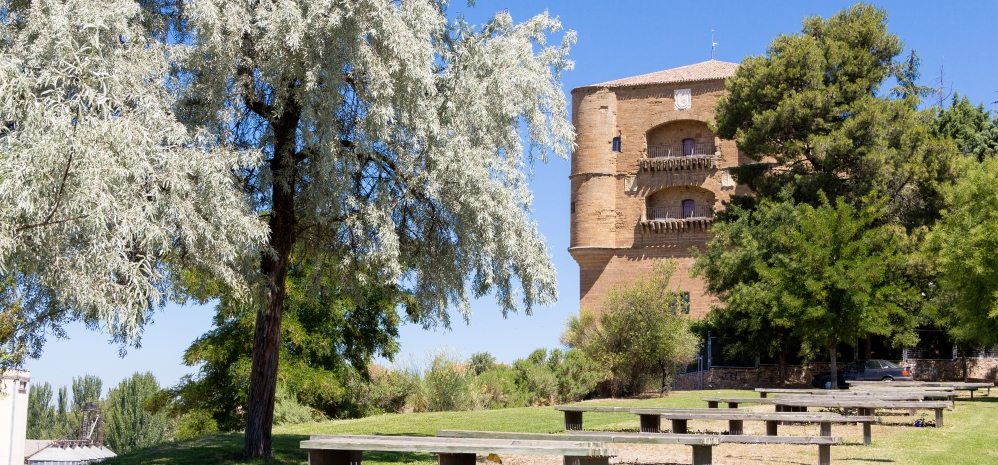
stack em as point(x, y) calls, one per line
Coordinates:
point(864, 370)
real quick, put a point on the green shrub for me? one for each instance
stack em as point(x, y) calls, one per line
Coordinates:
point(536, 378)
point(289, 411)
point(481, 362)
point(392, 390)
point(578, 375)
point(498, 388)
point(447, 385)
point(195, 424)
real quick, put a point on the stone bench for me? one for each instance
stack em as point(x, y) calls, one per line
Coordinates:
point(952, 385)
point(703, 445)
point(735, 421)
point(866, 406)
point(573, 414)
point(924, 394)
point(348, 450)
point(734, 402)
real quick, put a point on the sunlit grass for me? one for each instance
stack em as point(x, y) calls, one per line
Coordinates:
point(969, 437)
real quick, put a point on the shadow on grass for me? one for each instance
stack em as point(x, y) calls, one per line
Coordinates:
point(978, 399)
point(226, 449)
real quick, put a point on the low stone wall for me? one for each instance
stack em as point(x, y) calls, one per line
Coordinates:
point(937, 370)
point(801, 375)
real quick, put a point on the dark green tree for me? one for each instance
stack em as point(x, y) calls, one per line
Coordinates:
point(962, 246)
point(824, 275)
point(128, 423)
point(749, 318)
point(332, 328)
point(971, 127)
point(809, 112)
point(638, 333)
point(41, 414)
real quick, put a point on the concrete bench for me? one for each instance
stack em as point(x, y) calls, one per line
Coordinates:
point(866, 406)
point(348, 450)
point(953, 385)
point(735, 421)
point(573, 414)
point(734, 402)
point(703, 445)
point(924, 394)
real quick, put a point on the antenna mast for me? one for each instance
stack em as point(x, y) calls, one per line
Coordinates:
point(713, 44)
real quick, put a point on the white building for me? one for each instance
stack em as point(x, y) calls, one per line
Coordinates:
point(13, 416)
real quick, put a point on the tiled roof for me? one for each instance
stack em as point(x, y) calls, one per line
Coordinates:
point(703, 71)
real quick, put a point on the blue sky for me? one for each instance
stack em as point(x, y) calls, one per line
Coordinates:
point(615, 39)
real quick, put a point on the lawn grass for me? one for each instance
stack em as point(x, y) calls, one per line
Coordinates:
point(969, 437)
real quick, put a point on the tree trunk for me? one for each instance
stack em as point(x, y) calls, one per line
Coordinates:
point(274, 264)
point(781, 362)
point(833, 368)
point(868, 347)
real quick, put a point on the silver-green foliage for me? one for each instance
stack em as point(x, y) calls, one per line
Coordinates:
point(412, 134)
point(102, 189)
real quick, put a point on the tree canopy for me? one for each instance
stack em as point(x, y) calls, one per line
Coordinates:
point(104, 194)
point(841, 174)
point(962, 246)
point(638, 331)
point(380, 138)
point(810, 112)
point(973, 128)
point(826, 274)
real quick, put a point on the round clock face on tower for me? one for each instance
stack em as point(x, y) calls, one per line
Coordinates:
point(683, 99)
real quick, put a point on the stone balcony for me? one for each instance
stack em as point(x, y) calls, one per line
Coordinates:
point(660, 220)
point(698, 156)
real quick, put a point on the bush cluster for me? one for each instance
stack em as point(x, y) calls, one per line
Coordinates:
point(542, 378)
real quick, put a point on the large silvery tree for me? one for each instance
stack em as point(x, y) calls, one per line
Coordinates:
point(395, 141)
point(104, 194)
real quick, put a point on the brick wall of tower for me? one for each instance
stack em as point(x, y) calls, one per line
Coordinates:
point(610, 193)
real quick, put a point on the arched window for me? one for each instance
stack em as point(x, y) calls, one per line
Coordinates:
point(688, 208)
point(689, 145)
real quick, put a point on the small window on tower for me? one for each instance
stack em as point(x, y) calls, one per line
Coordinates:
point(681, 304)
point(616, 144)
point(573, 207)
point(22, 387)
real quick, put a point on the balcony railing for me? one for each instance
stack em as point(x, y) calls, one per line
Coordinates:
point(663, 219)
point(688, 156)
point(694, 149)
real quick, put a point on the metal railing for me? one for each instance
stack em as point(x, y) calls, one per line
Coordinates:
point(696, 149)
point(680, 213)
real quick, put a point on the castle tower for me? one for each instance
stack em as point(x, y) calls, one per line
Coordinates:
point(648, 175)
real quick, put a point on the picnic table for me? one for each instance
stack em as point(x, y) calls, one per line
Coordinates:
point(348, 449)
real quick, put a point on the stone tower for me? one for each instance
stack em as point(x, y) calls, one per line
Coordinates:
point(647, 176)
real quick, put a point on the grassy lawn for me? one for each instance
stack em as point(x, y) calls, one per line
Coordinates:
point(969, 437)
